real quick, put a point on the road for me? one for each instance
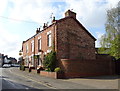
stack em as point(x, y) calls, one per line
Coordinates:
point(13, 78)
point(8, 80)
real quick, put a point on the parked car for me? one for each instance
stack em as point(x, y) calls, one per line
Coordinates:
point(6, 66)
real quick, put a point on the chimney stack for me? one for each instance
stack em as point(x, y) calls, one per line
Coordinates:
point(38, 30)
point(70, 13)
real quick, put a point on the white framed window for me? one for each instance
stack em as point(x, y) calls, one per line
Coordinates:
point(49, 39)
point(27, 48)
point(32, 46)
point(49, 44)
point(39, 43)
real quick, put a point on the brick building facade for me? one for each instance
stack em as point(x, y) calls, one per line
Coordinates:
point(69, 37)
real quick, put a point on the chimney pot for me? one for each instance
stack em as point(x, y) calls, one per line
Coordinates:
point(39, 29)
point(53, 19)
point(44, 26)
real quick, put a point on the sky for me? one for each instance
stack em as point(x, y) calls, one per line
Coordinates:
point(19, 19)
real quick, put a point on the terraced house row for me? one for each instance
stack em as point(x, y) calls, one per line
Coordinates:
point(74, 45)
point(68, 36)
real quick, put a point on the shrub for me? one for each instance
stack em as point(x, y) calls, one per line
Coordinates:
point(57, 69)
point(22, 67)
point(48, 69)
point(50, 61)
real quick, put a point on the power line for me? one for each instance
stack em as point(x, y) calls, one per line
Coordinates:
point(16, 19)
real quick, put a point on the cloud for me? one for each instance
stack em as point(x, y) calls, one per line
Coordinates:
point(9, 42)
point(3, 6)
point(36, 10)
point(92, 13)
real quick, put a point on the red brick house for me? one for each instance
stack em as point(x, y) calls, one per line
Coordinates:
point(70, 39)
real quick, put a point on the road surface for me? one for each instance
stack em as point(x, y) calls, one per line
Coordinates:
point(8, 80)
point(13, 78)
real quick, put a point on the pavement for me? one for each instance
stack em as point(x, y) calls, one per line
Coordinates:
point(102, 82)
point(49, 82)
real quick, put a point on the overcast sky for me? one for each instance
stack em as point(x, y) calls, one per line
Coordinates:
point(20, 18)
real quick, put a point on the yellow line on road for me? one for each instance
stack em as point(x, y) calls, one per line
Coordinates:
point(47, 85)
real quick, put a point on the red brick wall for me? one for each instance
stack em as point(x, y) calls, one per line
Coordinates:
point(48, 74)
point(73, 41)
point(85, 68)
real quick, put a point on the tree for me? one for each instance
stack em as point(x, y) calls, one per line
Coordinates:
point(110, 41)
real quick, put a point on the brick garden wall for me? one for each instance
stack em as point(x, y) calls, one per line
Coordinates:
point(86, 68)
point(48, 74)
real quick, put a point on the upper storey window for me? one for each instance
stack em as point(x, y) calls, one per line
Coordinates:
point(27, 48)
point(32, 46)
point(49, 39)
point(39, 43)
